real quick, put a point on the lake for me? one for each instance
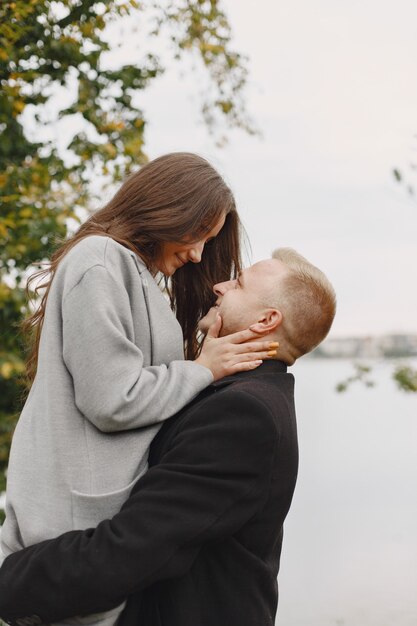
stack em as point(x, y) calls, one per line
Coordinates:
point(350, 542)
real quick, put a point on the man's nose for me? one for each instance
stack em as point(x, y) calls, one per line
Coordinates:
point(221, 288)
point(195, 253)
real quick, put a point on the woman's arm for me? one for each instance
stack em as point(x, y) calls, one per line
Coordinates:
point(112, 388)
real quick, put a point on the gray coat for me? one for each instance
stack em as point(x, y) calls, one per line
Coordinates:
point(110, 370)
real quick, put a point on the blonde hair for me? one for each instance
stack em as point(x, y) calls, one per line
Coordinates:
point(307, 301)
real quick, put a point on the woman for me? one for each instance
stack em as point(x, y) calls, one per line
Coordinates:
point(109, 352)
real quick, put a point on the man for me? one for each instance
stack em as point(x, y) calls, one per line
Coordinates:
point(198, 542)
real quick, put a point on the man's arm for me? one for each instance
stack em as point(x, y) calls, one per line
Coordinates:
point(214, 477)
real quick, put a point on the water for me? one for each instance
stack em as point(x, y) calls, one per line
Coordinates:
point(350, 545)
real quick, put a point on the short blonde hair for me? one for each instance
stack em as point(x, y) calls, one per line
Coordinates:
point(307, 301)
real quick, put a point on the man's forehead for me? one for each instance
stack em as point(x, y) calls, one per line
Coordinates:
point(268, 267)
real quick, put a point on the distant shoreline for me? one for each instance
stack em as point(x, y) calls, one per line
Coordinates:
point(394, 346)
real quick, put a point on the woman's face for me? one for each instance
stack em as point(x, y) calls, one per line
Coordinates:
point(176, 254)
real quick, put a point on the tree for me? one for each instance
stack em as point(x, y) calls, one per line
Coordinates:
point(47, 47)
point(404, 375)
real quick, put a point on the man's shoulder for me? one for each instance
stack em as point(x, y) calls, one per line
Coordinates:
point(236, 400)
point(221, 421)
point(264, 402)
point(273, 391)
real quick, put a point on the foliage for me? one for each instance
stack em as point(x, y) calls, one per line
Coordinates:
point(53, 70)
point(360, 375)
point(400, 178)
point(203, 27)
point(406, 378)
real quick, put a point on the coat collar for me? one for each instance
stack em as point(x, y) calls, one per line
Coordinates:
point(141, 267)
point(268, 367)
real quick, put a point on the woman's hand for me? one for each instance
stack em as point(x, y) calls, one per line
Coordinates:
point(234, 353)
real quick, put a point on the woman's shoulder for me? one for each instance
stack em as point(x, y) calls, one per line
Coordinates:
point(86, 253)
point(100, 250)
point(114, 250)
point(93, 251)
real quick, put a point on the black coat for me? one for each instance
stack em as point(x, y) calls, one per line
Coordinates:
point(201, 532)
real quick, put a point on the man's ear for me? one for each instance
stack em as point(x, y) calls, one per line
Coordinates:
point(268, 321)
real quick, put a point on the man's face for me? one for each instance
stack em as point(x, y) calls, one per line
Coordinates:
point(242, 301)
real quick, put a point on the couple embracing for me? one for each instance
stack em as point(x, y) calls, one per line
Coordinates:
point(155, 459)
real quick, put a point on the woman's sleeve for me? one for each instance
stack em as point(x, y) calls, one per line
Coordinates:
point(112, 388)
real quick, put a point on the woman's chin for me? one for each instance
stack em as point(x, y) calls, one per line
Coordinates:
point(166, 270)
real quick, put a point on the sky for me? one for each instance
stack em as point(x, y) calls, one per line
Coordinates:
point(333, 89)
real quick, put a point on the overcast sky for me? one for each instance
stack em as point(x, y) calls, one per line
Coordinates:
point(334, 91)
point(333, 88)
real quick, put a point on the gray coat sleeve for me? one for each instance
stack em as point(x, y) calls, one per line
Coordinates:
point(112, 388)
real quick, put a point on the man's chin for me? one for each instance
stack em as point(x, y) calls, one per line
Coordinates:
point(208, 320)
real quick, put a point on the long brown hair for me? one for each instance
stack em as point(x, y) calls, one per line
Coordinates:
point(175, 196)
